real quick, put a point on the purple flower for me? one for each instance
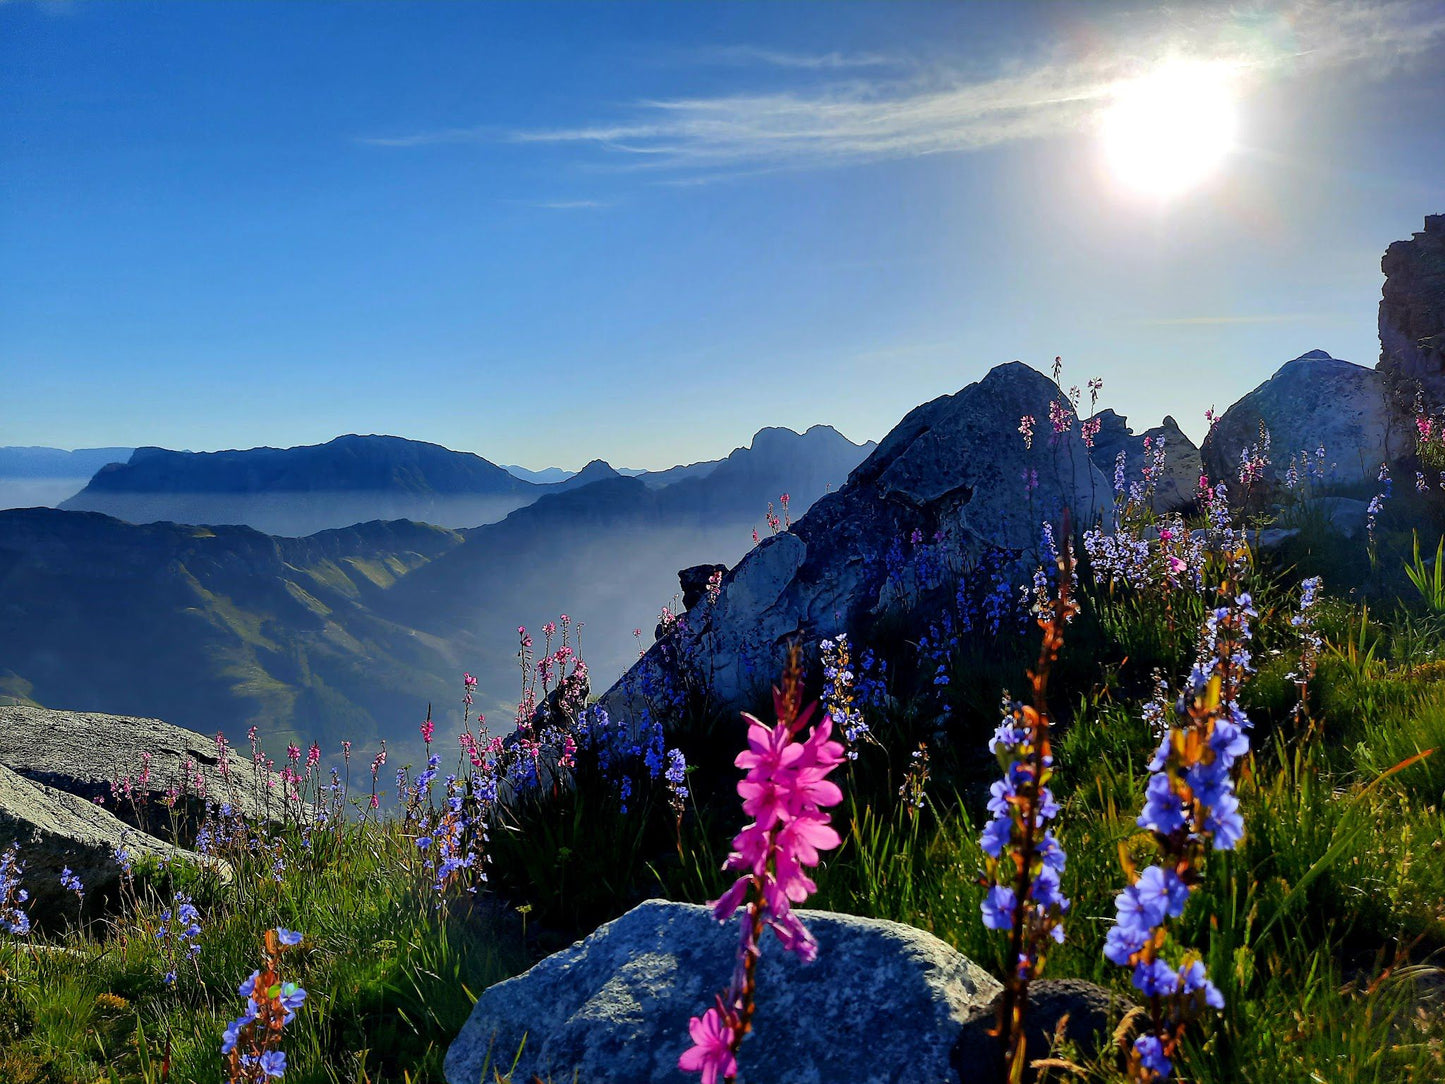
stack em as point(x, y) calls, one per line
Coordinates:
point(1151, 1055)
point(998, 908)
point(273, 1063)
point(996, 835)
point(1155, 978)
point(1163, 812)
point(1161, 893)
point(1192, 978)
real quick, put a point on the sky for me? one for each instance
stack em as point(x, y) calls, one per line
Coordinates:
point(641, 232)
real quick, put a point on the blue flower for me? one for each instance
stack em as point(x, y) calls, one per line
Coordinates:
point(998, 908)
point(996, 835)
point(1193, 978)
point(273, 1063)
point(1163, 812)
point(1122, 942)
point(1161, 893)
point(287, 937)
point(1155, 979)
point(1151, 1054)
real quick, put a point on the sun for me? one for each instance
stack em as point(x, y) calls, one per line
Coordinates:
point(1170, 130)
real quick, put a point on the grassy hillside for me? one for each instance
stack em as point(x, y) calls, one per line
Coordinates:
point(1324, 929)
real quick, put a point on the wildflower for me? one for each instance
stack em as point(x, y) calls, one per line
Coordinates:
point(1024, 859)
point(1190, 807)
point(838, 693)
point(784, 790)
point(71, 883)
point(1026, 427)
point(1302, 620)
point(712, 1051)
point(252, 1041)
point(12, 897)
point(178, 935)
point(1060, 418)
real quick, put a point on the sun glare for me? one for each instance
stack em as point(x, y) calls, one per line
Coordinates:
point(1171, 129)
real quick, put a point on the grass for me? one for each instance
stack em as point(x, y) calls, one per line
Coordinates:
point(1325, 930)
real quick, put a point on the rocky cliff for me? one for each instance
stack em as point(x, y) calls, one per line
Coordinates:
point(1412, 311)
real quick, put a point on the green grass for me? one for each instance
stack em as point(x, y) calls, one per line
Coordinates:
point(1325, 929)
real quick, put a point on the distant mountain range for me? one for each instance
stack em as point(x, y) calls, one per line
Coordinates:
point(349, 633)
point(298, 491)
point(355, 479)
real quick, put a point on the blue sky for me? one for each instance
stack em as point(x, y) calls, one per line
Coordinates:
point(641, 232)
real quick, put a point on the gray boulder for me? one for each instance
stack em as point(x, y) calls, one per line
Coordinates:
point(1182, 465)
point(1311, 401)
point(1412, 314)
point(883, 1002)
point(951, 475)
point(88, 754)
point(53, 829)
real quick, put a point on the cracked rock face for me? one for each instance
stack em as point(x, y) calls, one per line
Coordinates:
point(1313, 401)
point(955, 470)
point(1412, 313)
point(84, 753)
point(882, 1003)
point(53, 830)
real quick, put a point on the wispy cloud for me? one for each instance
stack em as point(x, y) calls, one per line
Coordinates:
point(1250, 318)
point(565, 204)
point(780, 58)
point(840, 120)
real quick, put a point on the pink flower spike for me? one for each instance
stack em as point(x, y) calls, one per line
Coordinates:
point(711, 1053)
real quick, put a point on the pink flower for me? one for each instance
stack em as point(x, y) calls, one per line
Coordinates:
point(1026, 427)
point(428, 728)
point(712, 1052)
point(1059, 417)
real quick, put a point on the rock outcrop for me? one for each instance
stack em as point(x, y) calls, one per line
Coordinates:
point(87, 754)
point(1311, 402)
point(54, 830)
point(1182, 464)
point(1412, 313)
point(883, 1002)
point(956, 473)
point(694, 581)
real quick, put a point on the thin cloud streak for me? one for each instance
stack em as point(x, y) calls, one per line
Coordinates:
point(860, 120)
point(778, 58)
point(1211, 321)
point(565, 204)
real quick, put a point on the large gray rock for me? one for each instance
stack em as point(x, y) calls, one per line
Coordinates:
point(53, 829)
point(1412, 313)
point(952, 470)
point(1182, 465)
point(1311, 401)
point(88, 753)
point(882, 1003)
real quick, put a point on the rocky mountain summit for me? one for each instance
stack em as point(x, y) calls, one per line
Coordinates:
point(942, 477)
